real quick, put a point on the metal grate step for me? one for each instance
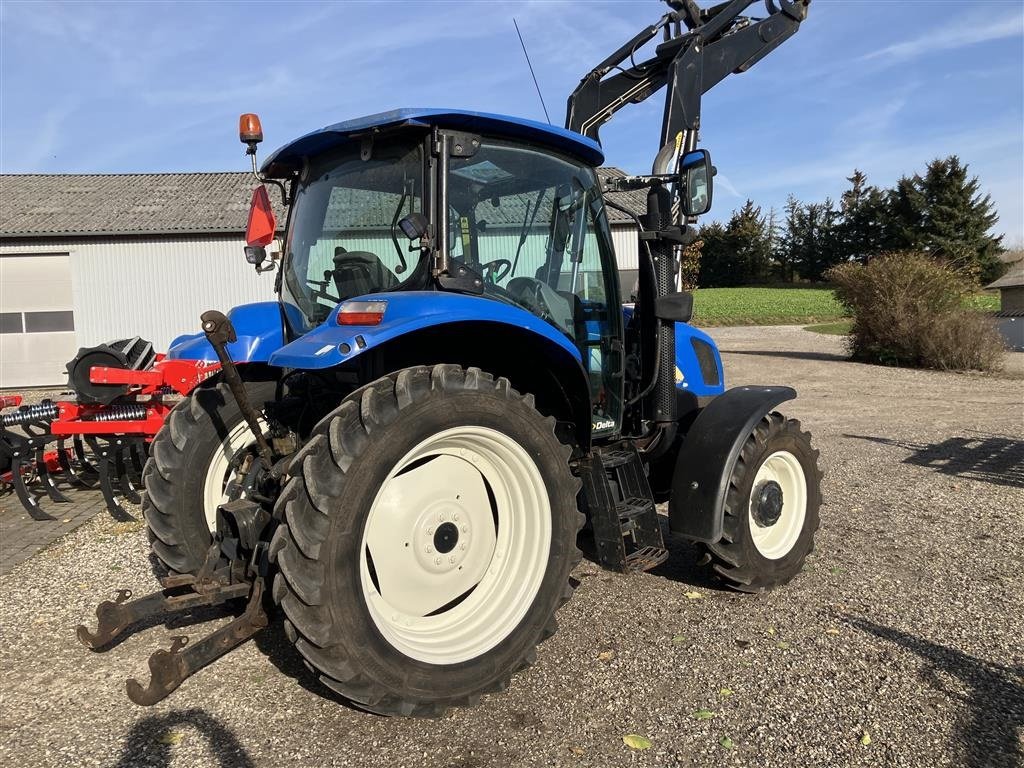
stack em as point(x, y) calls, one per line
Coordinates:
point(645, 558)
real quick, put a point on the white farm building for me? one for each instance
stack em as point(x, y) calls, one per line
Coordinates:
point(86, 259)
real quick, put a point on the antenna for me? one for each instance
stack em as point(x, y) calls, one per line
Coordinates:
point(534, 76)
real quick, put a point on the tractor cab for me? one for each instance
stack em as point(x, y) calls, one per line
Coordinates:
point(482, 205)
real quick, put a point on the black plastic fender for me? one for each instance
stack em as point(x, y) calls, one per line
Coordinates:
point(708, 455)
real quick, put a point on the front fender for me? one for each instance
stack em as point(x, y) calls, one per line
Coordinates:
point(708, 455)
point(260, 332)
point(331, 344)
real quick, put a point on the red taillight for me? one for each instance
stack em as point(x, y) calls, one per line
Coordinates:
point(361, 312)
point(262, 222)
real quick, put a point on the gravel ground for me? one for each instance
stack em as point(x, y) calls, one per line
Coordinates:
point(899, 645)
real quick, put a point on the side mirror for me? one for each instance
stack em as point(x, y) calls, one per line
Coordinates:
point(414, 226)
point(255, 255)
point(696, 173)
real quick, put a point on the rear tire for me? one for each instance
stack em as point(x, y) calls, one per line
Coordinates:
point(769, 531)
point(188, 467)
point(430, 529)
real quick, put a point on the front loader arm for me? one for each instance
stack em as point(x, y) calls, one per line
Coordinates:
point(716, 42)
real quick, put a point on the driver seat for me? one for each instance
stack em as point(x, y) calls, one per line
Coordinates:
point(357, 273)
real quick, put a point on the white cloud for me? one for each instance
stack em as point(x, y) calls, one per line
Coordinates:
point(960, 34)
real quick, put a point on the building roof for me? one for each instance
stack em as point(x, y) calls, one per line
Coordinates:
point(105, 205)
point(1014, 277)
point(64, 205)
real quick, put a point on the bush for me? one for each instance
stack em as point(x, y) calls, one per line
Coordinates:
point(907, 310)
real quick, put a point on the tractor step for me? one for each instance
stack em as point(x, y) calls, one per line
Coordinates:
point(620, 507)
point(646, 558)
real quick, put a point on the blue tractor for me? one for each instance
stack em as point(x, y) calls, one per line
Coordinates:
point(409, 449)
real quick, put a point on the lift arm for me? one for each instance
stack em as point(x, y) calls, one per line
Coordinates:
point(715, 42)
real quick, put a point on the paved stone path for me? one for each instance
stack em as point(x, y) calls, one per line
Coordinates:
point(21, 537)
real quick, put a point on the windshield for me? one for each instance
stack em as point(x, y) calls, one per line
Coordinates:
point(343, 239)
point(533, 225)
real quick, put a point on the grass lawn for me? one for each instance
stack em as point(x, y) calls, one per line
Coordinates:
point(764, 306)
point(986, 301)
point(840, 328)
point(790, 306)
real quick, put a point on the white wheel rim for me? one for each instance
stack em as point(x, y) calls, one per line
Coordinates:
point(219, 472)
point(775, 541)
point(496, 568)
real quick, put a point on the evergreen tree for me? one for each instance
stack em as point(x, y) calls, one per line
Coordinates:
point(748, 231)
point(738, 253)
point(904, 222)
point(772, 232)
point(861, 232)
point(944, 214)
point(811, 243)
point(788, 246)
point(717, 261)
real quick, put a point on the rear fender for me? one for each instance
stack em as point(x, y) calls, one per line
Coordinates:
point(708, 455)
point(260, 331)
point(429, 327)
point(331, 344)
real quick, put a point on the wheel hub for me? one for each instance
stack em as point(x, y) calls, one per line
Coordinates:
point(442, 537)
point(446, 537)
point(768, 505)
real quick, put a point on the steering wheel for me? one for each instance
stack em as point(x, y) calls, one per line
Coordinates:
point(497, 270)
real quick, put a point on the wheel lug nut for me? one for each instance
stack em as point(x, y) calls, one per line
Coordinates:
point(428, 550)
point(451, 559)
point(437, 561)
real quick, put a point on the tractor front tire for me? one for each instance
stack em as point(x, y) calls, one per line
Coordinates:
point(188, 467)
point(429, 532)
point(771, 510)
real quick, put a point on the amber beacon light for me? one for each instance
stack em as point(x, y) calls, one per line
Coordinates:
point(249, 130)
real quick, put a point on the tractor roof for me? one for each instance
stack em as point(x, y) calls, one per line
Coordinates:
point(553, 136)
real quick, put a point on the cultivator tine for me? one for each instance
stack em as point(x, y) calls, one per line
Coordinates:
point(138, 457)
point(104, 453)
point(83, 459)
point(169, 669)
point(121, 476)
point(68, 469)
point(28, 499)
point(44, 476)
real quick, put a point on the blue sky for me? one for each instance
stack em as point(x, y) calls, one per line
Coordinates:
point(882, 85)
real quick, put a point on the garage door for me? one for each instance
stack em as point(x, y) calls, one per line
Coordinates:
point(37, 322)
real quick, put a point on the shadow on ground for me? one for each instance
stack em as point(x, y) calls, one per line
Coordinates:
point(993, 459)
point(150, 740)
point(991, 714)
point(792, 354)
point(274, 644)
point(683, 566)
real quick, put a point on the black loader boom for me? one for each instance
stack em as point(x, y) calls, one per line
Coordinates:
point(698, 49)
point(716, 41)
